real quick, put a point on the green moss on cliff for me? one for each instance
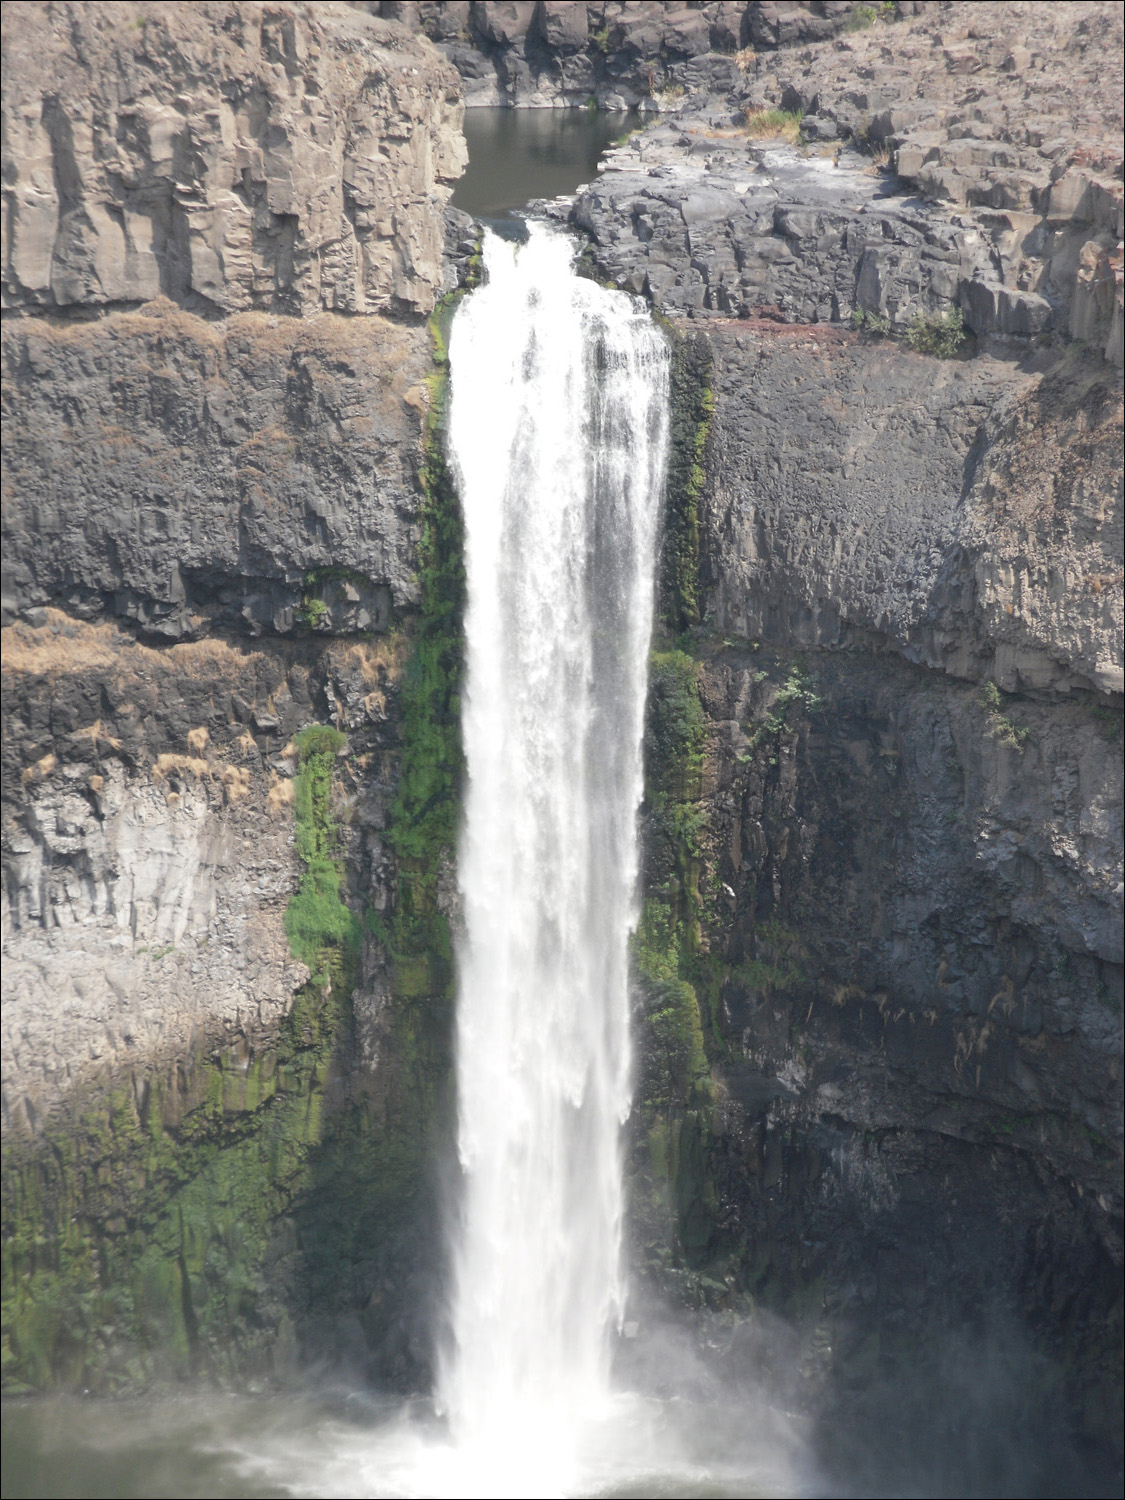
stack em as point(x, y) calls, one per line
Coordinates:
point(318, 924)
point(137, 1237)
point(426, 810)
point(692, 407)
point(673, 1195)
point(192, 1224)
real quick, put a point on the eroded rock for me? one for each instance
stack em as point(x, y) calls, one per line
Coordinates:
point(281, 157)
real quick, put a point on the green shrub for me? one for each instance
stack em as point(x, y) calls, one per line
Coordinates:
point(312, 611)
point(861, 18)
point(676, 728)
point(1001, 727)
point(864, 16)
point(940, 334)
point(878, 325)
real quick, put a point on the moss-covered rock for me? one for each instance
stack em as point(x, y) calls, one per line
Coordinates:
point(256, 1203)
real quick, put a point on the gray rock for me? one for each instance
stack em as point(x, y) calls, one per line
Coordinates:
point(884, 503)
point(227, 160)
point(202, 470)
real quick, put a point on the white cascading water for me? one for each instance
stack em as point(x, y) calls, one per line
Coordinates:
point(558, 433)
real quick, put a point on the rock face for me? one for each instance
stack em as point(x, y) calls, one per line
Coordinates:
point(186, 474)
point(1011, 110)
point(908, 969)
point(621, 54)
point(149, 862)
point(704, 217)
point(214, 539)
point(273, 157)
point(967, 513)
point(703, 220)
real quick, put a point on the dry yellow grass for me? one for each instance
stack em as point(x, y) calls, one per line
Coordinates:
point(773, 124)
point(66, 645)
point(40, 770)
point(280, 795)
point(97, 737)
point(235, 780)
point(185, 765)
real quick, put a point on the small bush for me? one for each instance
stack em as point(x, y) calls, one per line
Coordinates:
point(1001, 728)
point(864, 16)
point(878, 325)
point(861, 18)
point(312, 612)
point(942, 334)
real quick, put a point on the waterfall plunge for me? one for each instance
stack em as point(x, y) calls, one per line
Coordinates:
point(558, 431)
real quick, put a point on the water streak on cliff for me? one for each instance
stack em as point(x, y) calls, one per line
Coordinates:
point(558, 430)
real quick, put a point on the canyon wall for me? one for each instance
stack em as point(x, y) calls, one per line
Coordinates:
point(229, 158)
point(216, 537)
point(879, 994)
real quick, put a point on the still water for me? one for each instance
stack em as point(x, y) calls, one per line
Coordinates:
point(519, 154)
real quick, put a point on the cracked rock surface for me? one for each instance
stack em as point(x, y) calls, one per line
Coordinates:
point(277, 157)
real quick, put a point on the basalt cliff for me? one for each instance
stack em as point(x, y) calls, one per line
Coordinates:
point(879, 963)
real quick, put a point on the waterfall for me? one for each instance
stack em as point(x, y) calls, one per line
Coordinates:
point(558, 431)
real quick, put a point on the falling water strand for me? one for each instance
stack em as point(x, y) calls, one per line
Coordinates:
point(558, 432)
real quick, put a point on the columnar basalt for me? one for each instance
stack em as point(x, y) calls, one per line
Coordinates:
point(879, 963)
point(282, 158)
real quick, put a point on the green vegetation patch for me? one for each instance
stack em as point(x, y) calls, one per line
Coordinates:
point(942, 335)
point(138, 1239)
point(692, 408)
point(1000, 726)
point(317, 921)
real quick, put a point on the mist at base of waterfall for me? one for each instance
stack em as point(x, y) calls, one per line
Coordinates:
point(347, 1444)
point(972, 1416)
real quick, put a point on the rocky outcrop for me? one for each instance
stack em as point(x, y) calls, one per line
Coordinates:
point(707, 213)
point(1011, 110)
point(967, 513)
point(187, 475)
point(948, 155)
point(620, 53)
point(703, 220)
point(289, 158)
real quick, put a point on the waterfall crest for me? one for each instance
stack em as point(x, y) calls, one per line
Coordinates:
point(558, 433)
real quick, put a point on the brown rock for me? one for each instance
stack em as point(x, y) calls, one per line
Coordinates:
point(285, 158)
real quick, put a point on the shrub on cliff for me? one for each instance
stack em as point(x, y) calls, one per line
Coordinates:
point(941, 334)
